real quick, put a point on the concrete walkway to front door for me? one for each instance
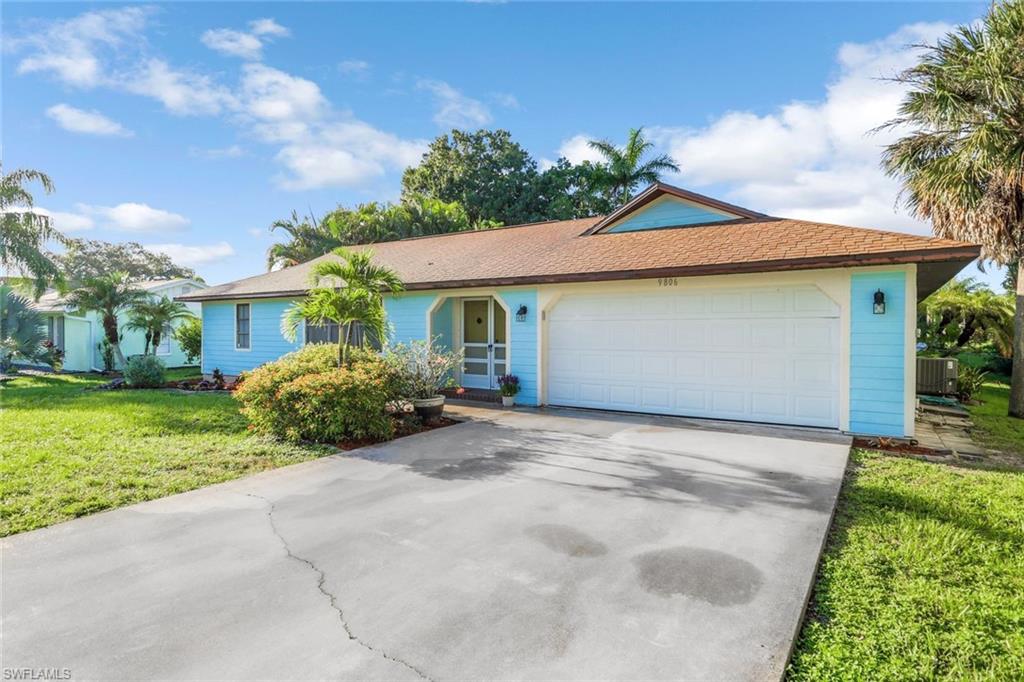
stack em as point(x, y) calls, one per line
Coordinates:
point(517, 545)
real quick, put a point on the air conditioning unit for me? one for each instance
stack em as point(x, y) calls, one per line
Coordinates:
point(936, 376)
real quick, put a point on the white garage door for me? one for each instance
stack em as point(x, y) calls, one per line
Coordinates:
point(765, 355)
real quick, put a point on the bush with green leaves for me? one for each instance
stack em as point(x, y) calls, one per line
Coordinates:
point(189, 335)
point(145, 371)
point(282, 398)
point(21, 330)
point(969, 381)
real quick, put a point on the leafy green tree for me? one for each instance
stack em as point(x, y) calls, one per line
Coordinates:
point(966, 312)
point(25, 234)
point(962, 164)
point(21, 330)
point(107, 295)
point(307, 239)
point(575, 190)
point(152, 316)
point(485, 171)
point(85, 259)
point(369, 223)
point(625, 167)
point(189, 335)
point(346, 291)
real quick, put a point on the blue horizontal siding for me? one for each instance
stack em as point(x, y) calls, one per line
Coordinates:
point(407, 316)
point(267, 343)
point(667, 213)
point(877, 354)
point(523, 342)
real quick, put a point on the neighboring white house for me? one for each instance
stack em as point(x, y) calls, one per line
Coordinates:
point(79, 335)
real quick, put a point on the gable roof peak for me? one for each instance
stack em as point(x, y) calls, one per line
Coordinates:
point(659, 189)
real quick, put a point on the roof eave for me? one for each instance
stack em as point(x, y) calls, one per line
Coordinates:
point(957, 253)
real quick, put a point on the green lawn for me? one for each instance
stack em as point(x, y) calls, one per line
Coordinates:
point(993, 428)
point(923, 577)
point(67, 452)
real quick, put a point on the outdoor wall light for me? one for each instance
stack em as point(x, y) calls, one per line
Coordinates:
point(879, 306)
point(521, 314)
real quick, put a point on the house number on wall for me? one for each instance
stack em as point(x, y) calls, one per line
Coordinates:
point(668, 281)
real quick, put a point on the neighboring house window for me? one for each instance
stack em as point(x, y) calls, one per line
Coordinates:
point(165, 341)
point(242, 326)
point(55, 331)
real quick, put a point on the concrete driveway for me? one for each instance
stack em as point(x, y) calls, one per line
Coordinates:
point(519, 545)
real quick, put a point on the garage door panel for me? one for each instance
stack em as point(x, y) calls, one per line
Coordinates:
point(758, 355)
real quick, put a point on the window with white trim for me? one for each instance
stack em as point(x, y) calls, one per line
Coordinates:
point(243, 326)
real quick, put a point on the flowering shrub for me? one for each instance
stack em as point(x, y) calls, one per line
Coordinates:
point(508, 385)
point(421, 369)
point(52, 355)
point(305, 396)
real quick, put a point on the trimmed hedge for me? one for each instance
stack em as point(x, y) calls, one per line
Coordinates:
point(145, 371)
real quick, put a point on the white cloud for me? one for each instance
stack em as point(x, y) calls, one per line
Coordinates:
point(268, 27)
point(87, 122)
point(233, 43)
point(133, 217)
point(505, 99)
point(181, 92)
point(193, 255)
point(62, 221)
point(73, 50)
point(813, 160)
point(577, 149)
point(454, 109)
point(247, 46)
point(317, 145)
point(232, 152)
point(354, 67)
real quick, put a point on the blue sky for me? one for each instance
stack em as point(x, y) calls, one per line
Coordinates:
point(190, 127)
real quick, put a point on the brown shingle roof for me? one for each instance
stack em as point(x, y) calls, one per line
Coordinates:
point(559, 252)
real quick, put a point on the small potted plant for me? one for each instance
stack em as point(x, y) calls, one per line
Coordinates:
point(508, 386)
point(423, 370)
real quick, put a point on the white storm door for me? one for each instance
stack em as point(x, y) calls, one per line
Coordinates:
point(483, 342)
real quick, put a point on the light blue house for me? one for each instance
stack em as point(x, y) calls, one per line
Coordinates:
point(674, 304)
point(79, 333)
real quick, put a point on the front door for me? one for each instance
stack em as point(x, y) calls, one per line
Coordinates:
point(483, 342)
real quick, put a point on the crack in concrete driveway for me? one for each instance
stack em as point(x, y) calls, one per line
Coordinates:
point(331, 597)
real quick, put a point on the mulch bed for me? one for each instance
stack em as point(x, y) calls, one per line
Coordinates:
point(405, 427)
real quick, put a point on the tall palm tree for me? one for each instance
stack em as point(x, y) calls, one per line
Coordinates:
point(152, 316)
point(966, 311)
point(962, 164)
point(625, 168)
point(21, 329)
point(108, 296)
point(307, 239)
point(24, 233)
point(346, 292)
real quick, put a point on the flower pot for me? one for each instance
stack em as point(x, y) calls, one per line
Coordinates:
point(508, 400)
point(429, 408)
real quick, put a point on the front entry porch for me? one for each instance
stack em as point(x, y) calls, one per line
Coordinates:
point(478, 326)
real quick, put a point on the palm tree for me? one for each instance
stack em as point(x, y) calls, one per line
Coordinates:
point(108, 296)
point(962, 164)
point(307, 240)
point(346, 292)
point(21, 329)
point(624, 167)
point(24, 233)
point(966, 310)
point(152, 316)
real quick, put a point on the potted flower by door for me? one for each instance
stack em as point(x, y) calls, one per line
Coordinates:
point(422, 371)
point(508, 386)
